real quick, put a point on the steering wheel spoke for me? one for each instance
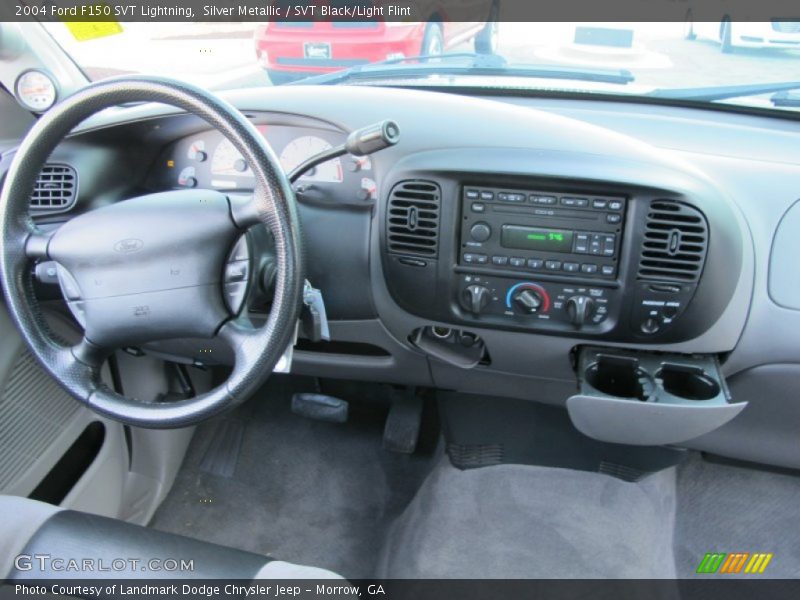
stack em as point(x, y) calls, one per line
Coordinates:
point(244, 210)
point(90, 354)
point(36, 245)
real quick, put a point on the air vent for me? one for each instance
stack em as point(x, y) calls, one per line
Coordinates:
point(413, 218)
point(55, 188)
point(675, 242)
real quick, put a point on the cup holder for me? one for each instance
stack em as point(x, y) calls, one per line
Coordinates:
point(619, 376)
point(688, 382)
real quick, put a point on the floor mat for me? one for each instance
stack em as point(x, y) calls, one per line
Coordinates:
point(512, 521)
point(730, 509)
point(311, 492)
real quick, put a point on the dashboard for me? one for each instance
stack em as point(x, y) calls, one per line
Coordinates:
point(534, 225)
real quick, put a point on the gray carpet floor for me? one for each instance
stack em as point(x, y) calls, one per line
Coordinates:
point(328, 495)
point(514, 521)
point(304, 491)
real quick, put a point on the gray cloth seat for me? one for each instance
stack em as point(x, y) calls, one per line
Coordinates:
point(40, 541)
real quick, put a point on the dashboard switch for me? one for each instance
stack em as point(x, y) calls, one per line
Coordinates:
point(528, 301)
point(650, 326)
point(475, 298)
point(580, 309)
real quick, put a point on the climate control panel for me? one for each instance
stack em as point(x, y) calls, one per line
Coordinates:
point(538, 304)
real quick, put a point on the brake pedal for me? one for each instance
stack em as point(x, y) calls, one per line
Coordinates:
point(401, 432)
point(320, 407)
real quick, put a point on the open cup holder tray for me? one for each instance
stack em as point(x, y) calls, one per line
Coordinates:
point(644, 398)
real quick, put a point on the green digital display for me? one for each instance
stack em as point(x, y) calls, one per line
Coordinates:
point(534, 238)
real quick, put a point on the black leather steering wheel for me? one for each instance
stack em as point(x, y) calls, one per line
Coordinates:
point(151, 268)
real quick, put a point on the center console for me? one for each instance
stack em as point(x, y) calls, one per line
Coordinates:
point(600, 261)
point(548, 254)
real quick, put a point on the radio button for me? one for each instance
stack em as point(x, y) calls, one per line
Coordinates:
point(608, 269)
point(546, 200)
point(480, 232)
point(589, 268)
point(581, 243)
point(487, 195)
point(613, 218)
point(500, 260)
point(475, 259)
point(599, 203)
point(571, 267)
point(517, 261)
point(553, 265)
point(471, 194)
point(511, 197)
point(535, 263)
point(615, 205)
point(577, 202)
point(478, 207)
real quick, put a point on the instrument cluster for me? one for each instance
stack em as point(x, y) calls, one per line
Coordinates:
point(208, 160)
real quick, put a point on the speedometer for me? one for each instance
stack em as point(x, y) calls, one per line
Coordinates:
point(228, 162)
point(303, 148)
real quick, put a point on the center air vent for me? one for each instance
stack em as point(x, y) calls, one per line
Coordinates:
point(55, 188)
point(413, 218)
point(675, 242)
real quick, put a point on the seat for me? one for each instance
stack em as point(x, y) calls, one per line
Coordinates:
point(41, 541)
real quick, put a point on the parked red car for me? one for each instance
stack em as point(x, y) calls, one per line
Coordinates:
point(293, 50)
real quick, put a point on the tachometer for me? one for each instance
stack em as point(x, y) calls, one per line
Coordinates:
point(36, 90)
point(305, 147)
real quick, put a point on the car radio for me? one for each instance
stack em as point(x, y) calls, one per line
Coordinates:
point(527, 231)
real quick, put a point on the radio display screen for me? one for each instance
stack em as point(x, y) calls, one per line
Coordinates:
point(535, 238)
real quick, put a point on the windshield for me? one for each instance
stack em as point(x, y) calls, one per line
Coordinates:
point(630, 58)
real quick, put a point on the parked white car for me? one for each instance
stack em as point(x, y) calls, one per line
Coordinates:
point(778, 33)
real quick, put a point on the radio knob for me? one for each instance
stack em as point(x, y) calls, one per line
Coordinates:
point(580, 309)
point(475, 298)
point(480, 232)
point(528, 301)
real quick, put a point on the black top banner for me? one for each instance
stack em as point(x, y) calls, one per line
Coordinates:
point(397, 10)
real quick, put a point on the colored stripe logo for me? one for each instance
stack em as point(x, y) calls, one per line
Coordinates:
point(734, 562)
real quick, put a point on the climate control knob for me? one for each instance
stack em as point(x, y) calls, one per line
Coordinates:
point(528, 301)
point(475, 298)
point(580, 309)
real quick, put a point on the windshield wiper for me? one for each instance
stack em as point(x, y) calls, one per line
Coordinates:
point(724, 92)
point(464, 64)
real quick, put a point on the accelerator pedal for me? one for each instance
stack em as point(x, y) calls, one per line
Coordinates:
point(401, 432)
point(320, 407)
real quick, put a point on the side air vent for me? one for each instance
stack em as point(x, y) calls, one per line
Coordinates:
point(55, 188)
point(413, 218)
point(675, 242)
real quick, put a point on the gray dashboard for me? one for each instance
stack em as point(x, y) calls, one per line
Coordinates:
point(741, 170)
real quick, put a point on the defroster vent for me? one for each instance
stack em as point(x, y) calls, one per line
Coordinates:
point(413, 218)
point(675, 242)
point(55, 188)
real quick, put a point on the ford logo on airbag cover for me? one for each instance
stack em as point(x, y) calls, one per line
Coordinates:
point(128, 246)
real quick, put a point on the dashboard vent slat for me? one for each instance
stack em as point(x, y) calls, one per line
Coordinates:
point(412, 225)
point(675, 242)
point(55, 189)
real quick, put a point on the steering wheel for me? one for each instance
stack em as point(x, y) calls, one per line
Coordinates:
point(152, 267)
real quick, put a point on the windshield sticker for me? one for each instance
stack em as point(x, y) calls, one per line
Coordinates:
point(84, 31)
